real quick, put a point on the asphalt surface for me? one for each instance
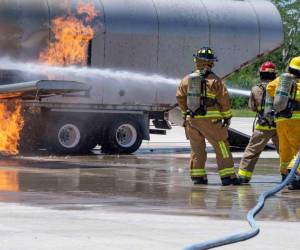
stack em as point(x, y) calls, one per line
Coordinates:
point(141, 201)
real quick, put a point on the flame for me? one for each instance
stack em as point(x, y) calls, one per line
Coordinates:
point(72, 35)
point(11, 126)
point(9, 181)
point(88, 11)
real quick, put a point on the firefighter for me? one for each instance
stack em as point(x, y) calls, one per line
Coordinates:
point(286, 92)
point(204, 101)
point(265, 128)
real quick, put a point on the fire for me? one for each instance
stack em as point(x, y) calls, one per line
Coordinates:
point(11, 126)
point(72, 35)
point(88, 11)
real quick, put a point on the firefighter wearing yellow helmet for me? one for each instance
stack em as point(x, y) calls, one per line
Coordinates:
point(286, 92)
point(204, 101)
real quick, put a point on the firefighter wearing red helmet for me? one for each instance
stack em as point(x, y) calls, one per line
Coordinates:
point(265, 129)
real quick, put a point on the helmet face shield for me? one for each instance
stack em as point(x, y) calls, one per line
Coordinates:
point(267, 71)
point(267, 76)
point(294, 72)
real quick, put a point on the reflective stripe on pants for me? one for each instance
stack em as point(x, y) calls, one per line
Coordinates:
point(226, 172)
point(245, 174)
point(256, 145)
point(224, 149)
point(291, 164)
point(200, 129)
point(198, 172)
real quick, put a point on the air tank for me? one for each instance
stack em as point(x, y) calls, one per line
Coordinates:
point(151, 36)
point(283, 93)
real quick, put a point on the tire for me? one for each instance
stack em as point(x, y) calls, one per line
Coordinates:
point(123, 137)
point(67, 137)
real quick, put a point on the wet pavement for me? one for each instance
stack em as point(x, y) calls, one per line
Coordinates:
point(147, 183)
point(145, 201)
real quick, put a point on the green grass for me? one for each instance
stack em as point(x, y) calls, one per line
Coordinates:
point(243, 113)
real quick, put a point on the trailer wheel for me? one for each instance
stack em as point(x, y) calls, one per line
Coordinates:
point(124, 137)
point(68, 137)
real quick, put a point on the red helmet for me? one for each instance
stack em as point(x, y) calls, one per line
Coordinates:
point(267, 67)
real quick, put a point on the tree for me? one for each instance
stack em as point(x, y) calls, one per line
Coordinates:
point(245, 78)
point(290, 13)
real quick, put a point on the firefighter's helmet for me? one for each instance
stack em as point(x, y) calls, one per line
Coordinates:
point(267, 71)
point(294, 66)
point(267, 67)
point(206, 54)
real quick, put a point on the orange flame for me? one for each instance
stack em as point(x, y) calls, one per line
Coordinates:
point(11, 125)
point(72, 35)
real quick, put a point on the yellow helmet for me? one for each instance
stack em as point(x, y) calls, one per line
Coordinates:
point(295, 63)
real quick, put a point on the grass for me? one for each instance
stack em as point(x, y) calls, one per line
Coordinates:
point(243, 113)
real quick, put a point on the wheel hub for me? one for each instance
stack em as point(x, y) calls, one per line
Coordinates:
point(126, 135)
point(69, 136)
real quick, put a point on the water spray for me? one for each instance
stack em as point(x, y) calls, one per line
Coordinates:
point(100, 74)
point(75, 71)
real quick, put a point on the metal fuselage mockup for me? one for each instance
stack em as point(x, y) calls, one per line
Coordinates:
point(151, 36)
point(147, 36)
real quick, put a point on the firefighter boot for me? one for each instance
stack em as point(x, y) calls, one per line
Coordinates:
point(226, 181)
point(244, 180)
point(294, 185)
point(235, 181)
point(199, 181)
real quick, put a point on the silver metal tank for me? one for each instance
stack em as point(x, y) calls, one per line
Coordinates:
point(157, 36)
point(152, 36)
point(160, 36)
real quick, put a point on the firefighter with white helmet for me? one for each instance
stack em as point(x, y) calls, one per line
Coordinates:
point(265, 129)
point(286, 92)
point(204, 101)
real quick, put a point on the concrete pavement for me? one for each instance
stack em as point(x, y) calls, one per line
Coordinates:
point(141, 201)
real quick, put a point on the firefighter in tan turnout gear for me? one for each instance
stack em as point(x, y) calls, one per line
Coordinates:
point(265, 129)
point(286, 92)
point(204, 101)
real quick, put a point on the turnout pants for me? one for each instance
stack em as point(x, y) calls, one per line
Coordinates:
point(256, 145)
point(203, 128)
point(289, 142)
point(292, 163)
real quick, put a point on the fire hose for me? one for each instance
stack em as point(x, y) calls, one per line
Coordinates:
point(250, 216)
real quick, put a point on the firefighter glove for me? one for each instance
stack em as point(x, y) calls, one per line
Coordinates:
point(189, 112)
point(226, 122)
